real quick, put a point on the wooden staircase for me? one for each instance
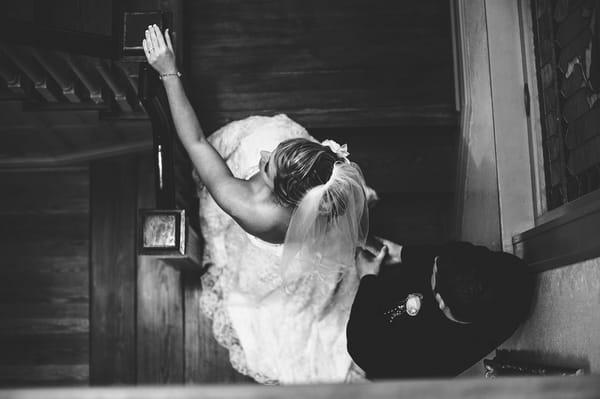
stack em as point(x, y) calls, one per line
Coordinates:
point(391, 102)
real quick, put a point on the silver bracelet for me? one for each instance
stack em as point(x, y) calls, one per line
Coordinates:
point(165, 75)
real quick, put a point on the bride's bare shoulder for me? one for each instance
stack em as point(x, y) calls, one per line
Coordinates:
point(275, 221)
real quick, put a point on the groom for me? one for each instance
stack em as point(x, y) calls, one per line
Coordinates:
point(434, 311)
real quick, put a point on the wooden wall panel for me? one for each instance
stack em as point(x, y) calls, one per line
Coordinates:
point(309, 58)
point(90, 16)
point(113, 203)
point(44, 277)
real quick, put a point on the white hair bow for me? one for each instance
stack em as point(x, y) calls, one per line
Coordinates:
point(340, 150)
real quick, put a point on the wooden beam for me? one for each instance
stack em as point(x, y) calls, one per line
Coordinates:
point(113, 272)
point(583, 387)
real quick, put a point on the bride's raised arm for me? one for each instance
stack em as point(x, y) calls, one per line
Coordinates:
point(229, 192)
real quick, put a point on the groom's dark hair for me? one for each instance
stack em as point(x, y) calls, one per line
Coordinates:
point(477, 284)
point(301, 165)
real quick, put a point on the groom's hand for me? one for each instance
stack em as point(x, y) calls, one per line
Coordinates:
point(367, 263)
point(394, 251)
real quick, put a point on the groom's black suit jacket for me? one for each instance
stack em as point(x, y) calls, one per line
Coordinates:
point(428, 344)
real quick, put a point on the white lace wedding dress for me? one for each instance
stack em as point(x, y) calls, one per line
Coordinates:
point(273, 334)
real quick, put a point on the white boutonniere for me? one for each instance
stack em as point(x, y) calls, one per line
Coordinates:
point(411, 306)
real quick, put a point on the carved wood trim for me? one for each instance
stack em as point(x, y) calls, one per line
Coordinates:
point(89, 80)
point(12, 77)
point(119, 92)
point(25, 63)
point(61, 76)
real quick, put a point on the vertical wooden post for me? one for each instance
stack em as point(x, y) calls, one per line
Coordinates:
point(160, 334)
point(153, 98)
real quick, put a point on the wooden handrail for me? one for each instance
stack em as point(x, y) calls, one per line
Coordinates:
point(79, 43)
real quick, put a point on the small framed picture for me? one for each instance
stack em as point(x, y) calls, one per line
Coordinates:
point(162, 232)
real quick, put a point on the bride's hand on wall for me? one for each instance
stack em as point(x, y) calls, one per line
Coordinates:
point(159, 50)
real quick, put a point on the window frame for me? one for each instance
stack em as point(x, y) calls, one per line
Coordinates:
point(569, 233)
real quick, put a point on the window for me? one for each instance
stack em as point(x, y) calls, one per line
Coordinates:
point(566, 38)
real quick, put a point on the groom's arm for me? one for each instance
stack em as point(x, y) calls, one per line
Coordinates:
point(364, 329)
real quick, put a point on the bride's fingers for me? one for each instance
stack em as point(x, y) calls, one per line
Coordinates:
point(154, 40)
point(146, 49)
point(168, 39)
point(149, 41)
point(159, 36)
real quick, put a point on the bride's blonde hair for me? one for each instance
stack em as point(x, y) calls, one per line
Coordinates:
point(301, 165)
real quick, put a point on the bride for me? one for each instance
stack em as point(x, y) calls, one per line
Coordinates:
point(280, 237)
